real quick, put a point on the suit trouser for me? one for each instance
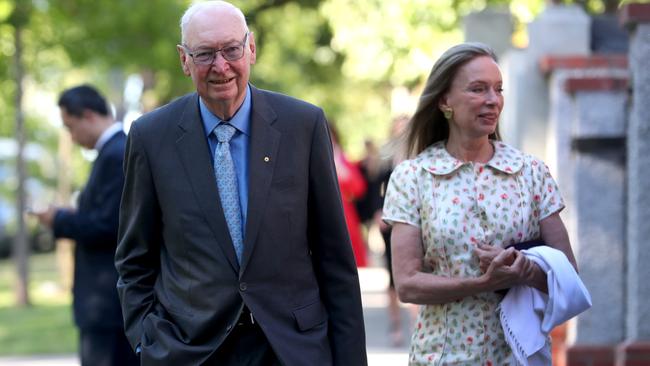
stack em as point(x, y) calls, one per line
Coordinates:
point(246, 345)
point(105, 347)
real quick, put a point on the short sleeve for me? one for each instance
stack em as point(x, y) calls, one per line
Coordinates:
point(547, 195)
point(402, 201)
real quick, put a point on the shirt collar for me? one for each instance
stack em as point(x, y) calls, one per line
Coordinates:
point(107, 134)
point(241, 119)
point(438, 161)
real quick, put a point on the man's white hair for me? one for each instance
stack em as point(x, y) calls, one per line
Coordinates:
point(198, 6)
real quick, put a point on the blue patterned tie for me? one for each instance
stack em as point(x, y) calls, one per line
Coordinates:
point(224, 169)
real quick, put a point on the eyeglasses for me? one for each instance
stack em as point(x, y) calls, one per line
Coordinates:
point(206, 56)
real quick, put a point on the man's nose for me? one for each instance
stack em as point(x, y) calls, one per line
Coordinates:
point(219, 63)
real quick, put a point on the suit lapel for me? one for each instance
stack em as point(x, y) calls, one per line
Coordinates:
point(264, 142)
point(194, 154)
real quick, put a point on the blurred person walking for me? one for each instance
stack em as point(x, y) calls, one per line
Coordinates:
point(378, 167)
point(93, 225)
point(462, 198)
point(352, 185)
point(233, 248)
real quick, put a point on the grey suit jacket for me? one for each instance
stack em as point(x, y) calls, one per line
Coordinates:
point(180, 285)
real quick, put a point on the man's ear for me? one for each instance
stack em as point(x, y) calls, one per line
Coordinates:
point(251, 46)
point(184, 59)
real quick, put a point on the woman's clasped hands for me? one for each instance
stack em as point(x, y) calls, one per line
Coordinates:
point(505, 268)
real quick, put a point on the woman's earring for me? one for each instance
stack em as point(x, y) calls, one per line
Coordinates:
point(448, 113)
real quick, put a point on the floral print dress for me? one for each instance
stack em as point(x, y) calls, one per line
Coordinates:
point(458, 205)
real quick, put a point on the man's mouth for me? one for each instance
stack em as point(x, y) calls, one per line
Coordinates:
point(221, 81)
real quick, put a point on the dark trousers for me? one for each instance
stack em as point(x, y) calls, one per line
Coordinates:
point(246, 345)
point(105, 347)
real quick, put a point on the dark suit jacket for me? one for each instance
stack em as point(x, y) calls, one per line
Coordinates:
point(180, 284)
point(94, 228)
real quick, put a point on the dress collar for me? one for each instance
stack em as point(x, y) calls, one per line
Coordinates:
point(437, 160)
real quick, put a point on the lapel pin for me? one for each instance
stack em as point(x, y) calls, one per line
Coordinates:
point(266, 159)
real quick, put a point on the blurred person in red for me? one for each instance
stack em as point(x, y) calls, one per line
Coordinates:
point(376, 168)
point(353, 186)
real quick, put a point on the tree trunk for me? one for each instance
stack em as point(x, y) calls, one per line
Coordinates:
point(65, 247)
point(21, 247)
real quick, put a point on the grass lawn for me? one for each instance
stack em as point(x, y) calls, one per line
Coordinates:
point(46, 327)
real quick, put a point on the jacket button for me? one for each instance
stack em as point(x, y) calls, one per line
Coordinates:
point(243, 286)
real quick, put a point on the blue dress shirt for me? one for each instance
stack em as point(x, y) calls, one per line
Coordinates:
point(238, 145)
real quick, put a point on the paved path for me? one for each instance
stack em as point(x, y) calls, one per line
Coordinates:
point(380, 350)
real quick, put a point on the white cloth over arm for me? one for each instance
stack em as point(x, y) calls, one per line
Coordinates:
point(528, 315)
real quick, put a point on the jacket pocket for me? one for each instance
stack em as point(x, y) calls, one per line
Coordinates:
point(309, 316)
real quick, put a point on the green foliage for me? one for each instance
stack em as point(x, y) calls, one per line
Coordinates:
point(346, 56)
point(294, 55)
point(131, 36)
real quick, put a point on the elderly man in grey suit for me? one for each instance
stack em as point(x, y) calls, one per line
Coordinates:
point(233, 248)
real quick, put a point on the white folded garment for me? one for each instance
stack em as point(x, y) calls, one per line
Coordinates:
point(528, 315)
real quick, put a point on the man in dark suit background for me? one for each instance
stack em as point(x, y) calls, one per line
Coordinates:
point(93, 226)
point(244, 266)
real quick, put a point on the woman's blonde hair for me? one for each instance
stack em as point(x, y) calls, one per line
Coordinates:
point(428, 125)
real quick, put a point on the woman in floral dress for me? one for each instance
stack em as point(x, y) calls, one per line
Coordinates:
point(456, 205)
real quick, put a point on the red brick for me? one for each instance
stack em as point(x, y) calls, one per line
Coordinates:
point(550, 62)
point(573, 85)
point(590, 355)
point(633, 354)
point(633, 14)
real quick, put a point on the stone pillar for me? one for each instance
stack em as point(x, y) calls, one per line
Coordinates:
point(586, 143)
point(491, 26)
point(524, 122)
point(636, 349)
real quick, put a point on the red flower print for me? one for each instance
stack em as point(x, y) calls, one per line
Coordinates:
point(456, 200)
point(470, 340)
point(480, 169)
point(537, 198)
point(430, 358)
point(550, 188)
point(473, 239)
point(504, 196)
point(534, 163)
point(420, 325)
point(508, 169)
point(481, 196)
point(488, 363)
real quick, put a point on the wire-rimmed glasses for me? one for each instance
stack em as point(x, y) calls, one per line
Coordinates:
point(206, 56)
